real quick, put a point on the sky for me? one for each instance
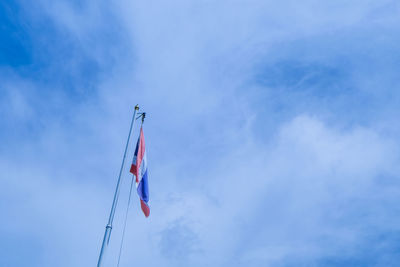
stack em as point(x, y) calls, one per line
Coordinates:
point(272, 131)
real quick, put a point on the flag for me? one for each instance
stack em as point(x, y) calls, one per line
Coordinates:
point(139, 169)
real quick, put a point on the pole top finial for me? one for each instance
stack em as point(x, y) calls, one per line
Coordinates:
point(137, 107)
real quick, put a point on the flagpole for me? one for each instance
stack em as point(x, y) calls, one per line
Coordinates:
point(107, 232)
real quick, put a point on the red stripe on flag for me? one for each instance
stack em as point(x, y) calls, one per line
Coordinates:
point(145, 208)
point(133, 169)
point(140, 154)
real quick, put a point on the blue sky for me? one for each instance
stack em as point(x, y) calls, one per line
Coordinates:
point(272, 131)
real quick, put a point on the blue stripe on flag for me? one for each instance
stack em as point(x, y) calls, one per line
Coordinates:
point(143, 188)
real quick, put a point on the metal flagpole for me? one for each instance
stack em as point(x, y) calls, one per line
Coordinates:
point(107, 232)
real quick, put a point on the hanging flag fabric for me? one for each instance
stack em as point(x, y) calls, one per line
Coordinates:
point(139, 169)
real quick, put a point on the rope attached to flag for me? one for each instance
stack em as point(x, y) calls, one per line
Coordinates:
point(126, 219)
point(127, 207)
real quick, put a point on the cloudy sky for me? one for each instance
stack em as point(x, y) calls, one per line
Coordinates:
point(272, 131)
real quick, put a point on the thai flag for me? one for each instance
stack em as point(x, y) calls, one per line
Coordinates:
point(139, 169)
